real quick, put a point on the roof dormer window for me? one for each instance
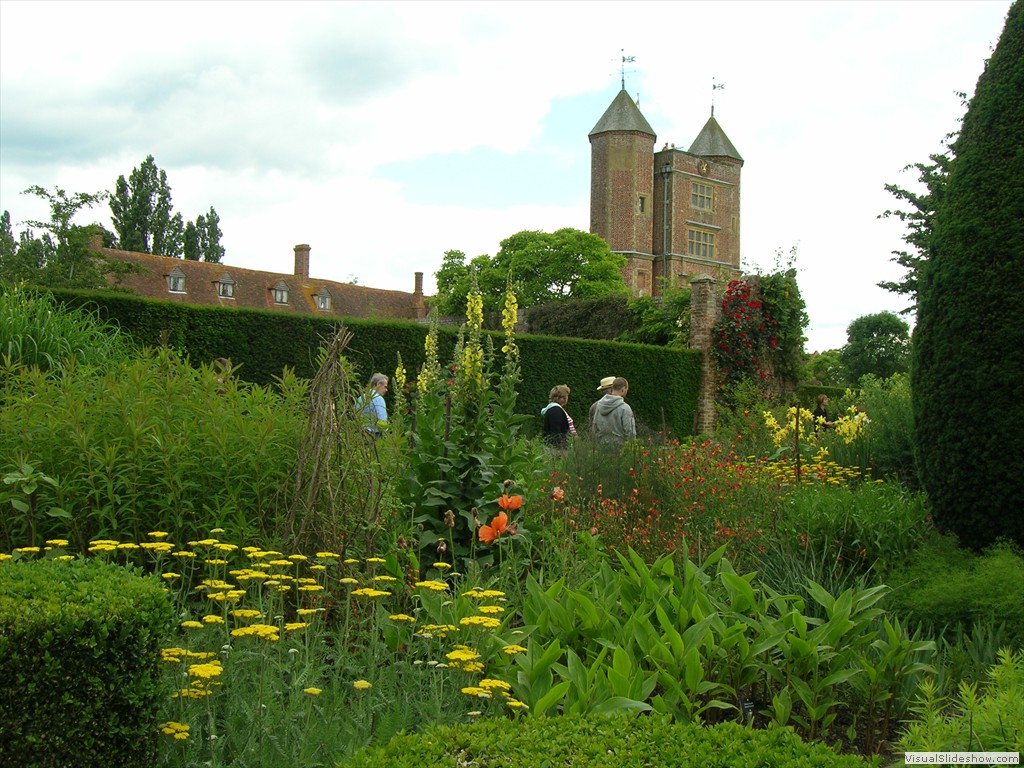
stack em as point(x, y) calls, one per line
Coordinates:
point(176, 281)
point(226, 287)
point(323, 300)
point(281, 293)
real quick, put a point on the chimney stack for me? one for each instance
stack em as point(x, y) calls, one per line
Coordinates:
point(418, 305)
point(302, 263)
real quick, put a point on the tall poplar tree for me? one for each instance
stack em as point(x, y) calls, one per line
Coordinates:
point(968, 346)
point(141, 210)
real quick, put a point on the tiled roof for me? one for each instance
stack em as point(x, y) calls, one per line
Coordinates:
point(623, 115)
point(255, 289)
point(712, 142)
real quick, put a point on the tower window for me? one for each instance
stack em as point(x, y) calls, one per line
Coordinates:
point(703, 196)
point(641, 203)
point(701, 243)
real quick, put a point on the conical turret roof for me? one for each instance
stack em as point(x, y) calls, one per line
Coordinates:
point(623, 115)
point(712, 142)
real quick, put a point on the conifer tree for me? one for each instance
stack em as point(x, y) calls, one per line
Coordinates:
point(968, 347)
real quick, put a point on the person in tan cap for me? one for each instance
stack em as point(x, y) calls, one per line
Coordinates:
point(613, 418)
point(602, 389)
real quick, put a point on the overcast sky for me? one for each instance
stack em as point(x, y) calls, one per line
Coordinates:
point(384, 134)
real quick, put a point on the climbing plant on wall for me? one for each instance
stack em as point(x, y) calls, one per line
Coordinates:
point(759, 335)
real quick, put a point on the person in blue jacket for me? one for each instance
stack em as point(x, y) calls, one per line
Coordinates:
point(372, 408)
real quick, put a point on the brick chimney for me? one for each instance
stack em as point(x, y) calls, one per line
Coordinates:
point(419, 308)
point(302, 263)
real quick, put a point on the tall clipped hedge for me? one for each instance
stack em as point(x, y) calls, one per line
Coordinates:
point(664, 382)
point(968, 346)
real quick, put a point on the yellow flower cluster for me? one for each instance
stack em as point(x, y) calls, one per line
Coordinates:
point(266, 632)
point(509, 318)
point(436, 586)
point(487, 622)
point(207, 670)
point(177, 730)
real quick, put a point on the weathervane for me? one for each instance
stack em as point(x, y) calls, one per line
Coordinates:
point(625, 60)
point(714, 87)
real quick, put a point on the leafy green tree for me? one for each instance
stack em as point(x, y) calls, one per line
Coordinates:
point(142, 212)
point(202, 238)
point(918, 219)
point(663, 321)
point(8, 245)
point(540, 267)
point(63, 256)
point(825, 368)
point(968, 348)
point(878, 344)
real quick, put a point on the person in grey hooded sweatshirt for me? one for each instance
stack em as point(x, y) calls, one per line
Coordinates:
point(613, 418)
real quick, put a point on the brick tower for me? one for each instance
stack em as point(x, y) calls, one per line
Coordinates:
point(673, 214)
point(622, 188)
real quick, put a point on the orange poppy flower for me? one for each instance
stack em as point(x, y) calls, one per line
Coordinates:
point(510, 503)
point(488, 533)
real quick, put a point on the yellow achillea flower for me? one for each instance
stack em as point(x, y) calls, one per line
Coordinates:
point(157, 546)
point(491, 684)
point(157, 534)
point(224, 547)
point(326, 555)
point(402, 617)
point(27, 550)
point(298, 558)
point(294, 626)
point(206, 671)
point(57, 542)
point(481, 593)
point(177, 730)
point(262, 631)
point(246, 613)
point(183, 553)
point(491, 609)
point(308, 611)
point(442, 566)
point(5, 556)
point(216, 561)
point(311, 588)
point(480, 621)
point(63, 558)
point(462, 653)
point(517, 704)
point(376, 560)
point(362, 685)
point(312, 691)
point(211, 619)
point(348, 580)
point(191, 625)
point(318, 567)
point(512, 650)
point(436, 586)
point(438, 630)
point(281, 563)
point(384, 578)
point(350, 561)
point(370, 592)
point(474, 690)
